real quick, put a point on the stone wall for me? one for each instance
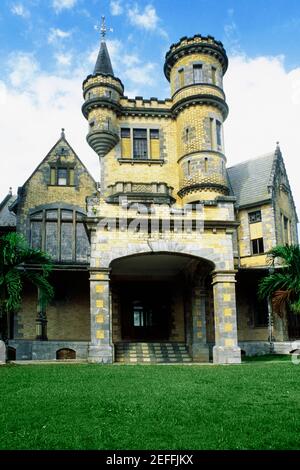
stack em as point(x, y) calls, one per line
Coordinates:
point(68, 314)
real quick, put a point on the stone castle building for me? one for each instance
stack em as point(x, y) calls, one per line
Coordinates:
point(161, 263)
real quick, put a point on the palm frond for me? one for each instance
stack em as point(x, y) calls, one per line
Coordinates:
point(13, 282)
point(273, 282)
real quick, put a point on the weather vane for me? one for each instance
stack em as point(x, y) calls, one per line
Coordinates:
point(103, 29)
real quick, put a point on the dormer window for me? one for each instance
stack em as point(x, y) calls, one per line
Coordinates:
point(62, 175)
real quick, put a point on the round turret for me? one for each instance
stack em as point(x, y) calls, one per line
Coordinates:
point(102, 92)
point(195, 68)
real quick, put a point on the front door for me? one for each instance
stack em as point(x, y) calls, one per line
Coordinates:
point(145, 313)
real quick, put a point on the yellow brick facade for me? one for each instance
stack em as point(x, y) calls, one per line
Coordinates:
point(158, 269)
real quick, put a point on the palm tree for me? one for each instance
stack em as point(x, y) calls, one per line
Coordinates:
point(17, 263)
point(283, 285)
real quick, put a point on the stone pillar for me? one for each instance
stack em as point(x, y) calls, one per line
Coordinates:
point(226, 350)
point(100, 347)
point(199, 350)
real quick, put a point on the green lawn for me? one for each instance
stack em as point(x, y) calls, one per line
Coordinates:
point(81, 406)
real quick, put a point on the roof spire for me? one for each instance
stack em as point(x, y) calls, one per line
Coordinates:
point(103, 29)
point(10, 191)
point(103, 64)
point(277, 148)
point(63, 135)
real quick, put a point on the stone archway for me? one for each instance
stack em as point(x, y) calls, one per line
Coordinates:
point(223, 280)
point(160, 297)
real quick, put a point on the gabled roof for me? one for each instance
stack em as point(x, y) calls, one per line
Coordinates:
point(103, 64)
point(251, 180)
point(7, 218)
point(63, 141)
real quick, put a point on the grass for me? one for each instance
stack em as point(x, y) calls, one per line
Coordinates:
point(82, 406)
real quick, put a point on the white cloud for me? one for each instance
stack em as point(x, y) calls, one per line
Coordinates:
point(60, 5)
point(63, 59)
point(142, 75)
point(232, 36)
point(19, 10)
point(264, 104)
point(116, 8)
point(56, 34)
point(147, 19)
point(23, 68)
point(34, 114)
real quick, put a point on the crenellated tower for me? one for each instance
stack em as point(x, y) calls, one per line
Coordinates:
point(102, 92)
point(195, 68)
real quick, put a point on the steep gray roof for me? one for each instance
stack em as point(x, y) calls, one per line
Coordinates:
point(7, 218)
point(250, 180)
point(103, 64)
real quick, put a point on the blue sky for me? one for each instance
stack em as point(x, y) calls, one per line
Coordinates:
point(49, 46)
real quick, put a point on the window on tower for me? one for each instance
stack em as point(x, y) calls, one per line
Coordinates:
point(181, 78)
point(214, 75)
point(219, 133)
point(197, 73)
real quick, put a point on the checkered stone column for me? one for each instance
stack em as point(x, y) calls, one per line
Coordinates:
point(100, 347)
point(226, 350)
point(199, 350)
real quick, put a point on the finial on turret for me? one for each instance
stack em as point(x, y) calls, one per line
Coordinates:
point(277, 150)
point(10, 191)
point(63, 135)
point(103, 28)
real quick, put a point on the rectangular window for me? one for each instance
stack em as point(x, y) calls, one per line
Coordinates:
point(52, 176)
point(211, 131)
point(140, 147)
point(154, 134)
point(66, 241)
point(257, 246)
point(125, 133)
point(62, 176)
point(286, 230)
point(82, 243)
point(181, 78)
point(51, 239)
point(219, 133)
point(214, 75)
point(197, 73)
point(254, 216)
point(36, 234)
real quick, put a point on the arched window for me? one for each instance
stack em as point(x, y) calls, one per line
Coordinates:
point(61, 233)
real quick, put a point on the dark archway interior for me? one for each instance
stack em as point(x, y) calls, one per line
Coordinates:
point(151, 294)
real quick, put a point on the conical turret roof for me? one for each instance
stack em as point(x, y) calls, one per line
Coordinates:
point(103, 64)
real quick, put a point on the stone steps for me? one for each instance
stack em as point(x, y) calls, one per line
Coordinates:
point(154, 353)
